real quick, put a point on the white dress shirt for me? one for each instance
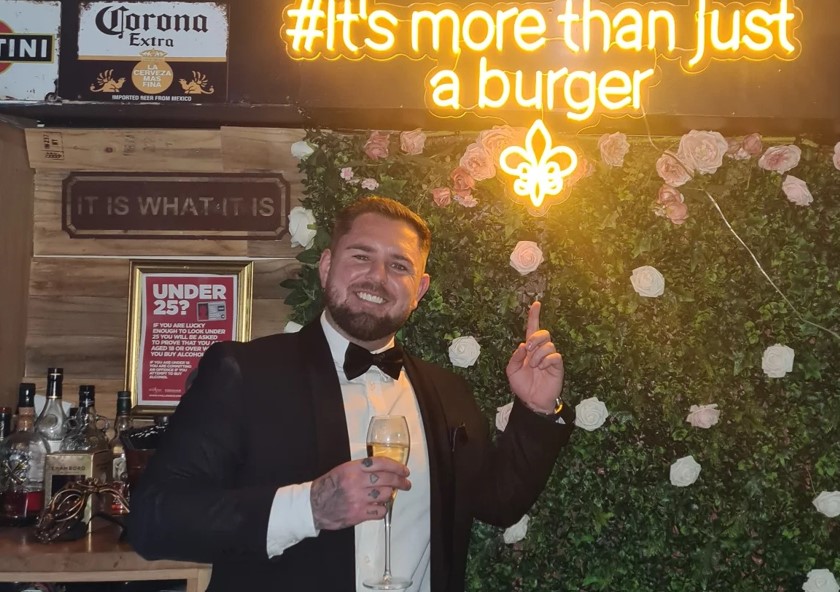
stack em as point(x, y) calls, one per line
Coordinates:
point(373, 393)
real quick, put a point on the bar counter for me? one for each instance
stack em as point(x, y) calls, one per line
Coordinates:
point(98, 557)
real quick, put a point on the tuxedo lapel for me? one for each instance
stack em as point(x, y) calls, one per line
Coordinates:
point(440, 470)
point(331, 437)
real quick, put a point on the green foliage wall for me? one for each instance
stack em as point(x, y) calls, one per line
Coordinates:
point(610, 519)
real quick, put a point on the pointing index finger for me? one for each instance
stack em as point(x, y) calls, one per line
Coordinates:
point(533, 319)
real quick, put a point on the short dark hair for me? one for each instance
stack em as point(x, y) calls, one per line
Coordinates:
point(386, 207)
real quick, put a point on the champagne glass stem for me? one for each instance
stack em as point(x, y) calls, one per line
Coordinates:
point(387, 575)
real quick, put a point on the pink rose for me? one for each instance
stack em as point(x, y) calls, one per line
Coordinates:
point(746, 147)
point(467, 200)
point(703, 416)
point(837, 156)
point(673, 171)
point(462, 181)
point(703, 151)
point(614, 148)
point(376, 146)
point(346, 173)
point(584, 169)
point(780, 159)
point(668, 194)
point(370, 184)
point(495, 140)
point(412, 142)
point(797, 191)
point(478, 163)
point(442, 196)
point(676, 212)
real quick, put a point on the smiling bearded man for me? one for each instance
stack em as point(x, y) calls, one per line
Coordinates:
point(264, 470)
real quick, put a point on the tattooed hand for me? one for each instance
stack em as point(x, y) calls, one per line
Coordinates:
point(355, 491)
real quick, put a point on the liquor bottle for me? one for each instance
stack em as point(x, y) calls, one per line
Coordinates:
point(5, 430)
point(85, 436)
point(22, 458)
point(5, 422)
point(119, 470)
point(52, 423)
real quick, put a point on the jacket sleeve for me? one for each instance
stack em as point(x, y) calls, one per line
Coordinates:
point(186, 506)
point(510, 473)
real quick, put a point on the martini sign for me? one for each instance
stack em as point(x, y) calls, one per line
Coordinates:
point(578, 58)
point(28, 49)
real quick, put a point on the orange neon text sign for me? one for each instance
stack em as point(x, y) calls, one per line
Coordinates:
point(523, 55)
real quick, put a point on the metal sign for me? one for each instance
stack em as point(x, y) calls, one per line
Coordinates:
point(28, 49)
point(175, 206)
point(166, 52)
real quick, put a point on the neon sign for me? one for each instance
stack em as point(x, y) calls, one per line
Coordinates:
point(576, 57)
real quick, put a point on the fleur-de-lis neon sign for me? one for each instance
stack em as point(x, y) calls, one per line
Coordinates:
point(535, 165)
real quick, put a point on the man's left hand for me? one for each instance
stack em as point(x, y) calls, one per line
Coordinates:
point(535, 370)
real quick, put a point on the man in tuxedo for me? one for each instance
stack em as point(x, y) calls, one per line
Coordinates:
point(263, 471)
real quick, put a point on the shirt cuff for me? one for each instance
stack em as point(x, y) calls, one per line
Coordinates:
point(290, 520)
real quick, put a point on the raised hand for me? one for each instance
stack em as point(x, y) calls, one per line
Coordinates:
point(535, 370)
point(356, 491)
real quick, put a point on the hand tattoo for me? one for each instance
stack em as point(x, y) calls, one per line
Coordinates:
point(374, 493)
point(326, 497)
point(367, 461)
point(374, 477)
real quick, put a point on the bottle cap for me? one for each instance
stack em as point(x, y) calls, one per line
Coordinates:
point(87, 394)
point(26, 394)
point(123, 402)
point(55, 372)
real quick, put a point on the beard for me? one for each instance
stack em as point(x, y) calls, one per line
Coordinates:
point(361, 325)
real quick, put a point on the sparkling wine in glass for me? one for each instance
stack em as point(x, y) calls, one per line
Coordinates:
point(388, 436)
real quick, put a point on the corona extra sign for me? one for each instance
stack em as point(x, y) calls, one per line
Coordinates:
point(580, 58)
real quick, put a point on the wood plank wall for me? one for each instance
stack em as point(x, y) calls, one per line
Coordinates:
point(78, 290)
point(15, 255)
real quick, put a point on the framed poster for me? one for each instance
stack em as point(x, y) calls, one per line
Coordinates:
point(29, 45)
point(176, 311)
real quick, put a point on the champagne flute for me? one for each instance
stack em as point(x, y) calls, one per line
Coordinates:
point(388, 436)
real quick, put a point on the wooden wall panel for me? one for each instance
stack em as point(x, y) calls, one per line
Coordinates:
point(78, 288)
point(15, 253)
point(125, 150)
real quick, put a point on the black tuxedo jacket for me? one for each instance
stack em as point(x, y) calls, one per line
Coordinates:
point(269, 413)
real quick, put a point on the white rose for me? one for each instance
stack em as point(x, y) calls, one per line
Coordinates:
point(780, 158)
point(703, 416)
point(648, 282)
point(684, 471)
point(828, 503)
point(613, 147)
point(703, 151)
point(517, 532)
point(526, 257)
point(302, 150)
point(464, 351)
point(502, 416)
point(292, 327)
point(797, 191)
point(299, 221)
point(821, 580)
point(777, 361)
point(836, 158)
point(590, 414)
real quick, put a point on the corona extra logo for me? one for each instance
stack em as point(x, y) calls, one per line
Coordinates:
point(537, 167)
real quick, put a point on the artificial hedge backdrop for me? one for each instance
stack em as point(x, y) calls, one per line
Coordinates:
point(610, 518)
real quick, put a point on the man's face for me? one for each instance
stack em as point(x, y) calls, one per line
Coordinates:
point(373, 279)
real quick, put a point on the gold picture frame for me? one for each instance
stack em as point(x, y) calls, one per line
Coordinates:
point(176, 310)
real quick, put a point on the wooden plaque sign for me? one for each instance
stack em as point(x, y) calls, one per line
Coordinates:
point(175, 205)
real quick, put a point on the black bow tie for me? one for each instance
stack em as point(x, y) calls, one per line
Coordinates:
point(357, 361)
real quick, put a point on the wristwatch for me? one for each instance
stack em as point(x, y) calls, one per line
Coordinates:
point(562, 413)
